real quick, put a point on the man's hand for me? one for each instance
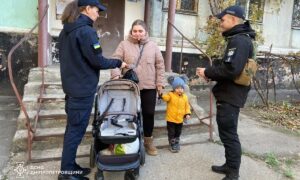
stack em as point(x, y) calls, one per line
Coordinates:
point(200, 73)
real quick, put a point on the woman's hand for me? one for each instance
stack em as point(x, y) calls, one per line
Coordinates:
point(124, 65)
point(159, 89)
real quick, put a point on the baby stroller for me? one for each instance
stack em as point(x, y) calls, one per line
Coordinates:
point(117, 120)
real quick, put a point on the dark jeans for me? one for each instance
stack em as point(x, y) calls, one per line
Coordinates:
point(78, 114)
point(148, 101)
point(227, 119)
point(174, 130)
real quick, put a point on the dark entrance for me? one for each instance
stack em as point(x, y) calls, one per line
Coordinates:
point(110, 25)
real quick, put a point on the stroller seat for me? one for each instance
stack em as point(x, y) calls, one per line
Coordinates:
point(118, 129)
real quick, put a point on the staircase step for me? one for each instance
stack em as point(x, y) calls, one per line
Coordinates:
point(34, 90)
point(55, 154)
point(162, 123)
point(84, 150)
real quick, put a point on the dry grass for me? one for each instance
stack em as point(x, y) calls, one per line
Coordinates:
point(284, 114)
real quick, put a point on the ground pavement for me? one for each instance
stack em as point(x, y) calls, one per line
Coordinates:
point(193, 161)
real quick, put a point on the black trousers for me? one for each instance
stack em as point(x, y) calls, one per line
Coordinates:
point(148, 101)
point(78, 111)
point(174, 130)
point(227, 120)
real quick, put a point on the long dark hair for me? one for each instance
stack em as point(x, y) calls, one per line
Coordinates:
point(139, 22)
point(71, 12)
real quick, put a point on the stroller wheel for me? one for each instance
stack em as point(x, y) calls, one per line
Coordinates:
point(132, 174)
point(142, 154)
point(92, 156)
point(99, 175)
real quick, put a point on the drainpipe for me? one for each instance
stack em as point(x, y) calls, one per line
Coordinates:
point(169, 41)
point(147, 12)
point(43, 38)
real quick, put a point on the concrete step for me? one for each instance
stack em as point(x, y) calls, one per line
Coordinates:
point(84, 149)
point(8, 103)
point(52, 74)
point(52, 136)
point(9, 108)
point(33, 88)
point(59, 114)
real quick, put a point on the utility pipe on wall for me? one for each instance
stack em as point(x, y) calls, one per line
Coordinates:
point(43, 38)
point(169, 41)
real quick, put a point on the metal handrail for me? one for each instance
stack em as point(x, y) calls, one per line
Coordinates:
point(30, 130)
point(210, 82)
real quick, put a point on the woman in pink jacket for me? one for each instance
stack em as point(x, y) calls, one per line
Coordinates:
point(150, 71)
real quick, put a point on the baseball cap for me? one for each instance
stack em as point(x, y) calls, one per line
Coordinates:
point(91, 3)
point(234, 11)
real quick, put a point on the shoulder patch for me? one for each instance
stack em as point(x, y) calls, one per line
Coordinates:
point(97, 46)
point(229, 55)
point(231, 51)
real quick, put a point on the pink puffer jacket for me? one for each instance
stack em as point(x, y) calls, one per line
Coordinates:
point(150, 69)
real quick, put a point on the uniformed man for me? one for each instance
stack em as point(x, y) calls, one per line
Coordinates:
point(230, 97)
point(80, 56)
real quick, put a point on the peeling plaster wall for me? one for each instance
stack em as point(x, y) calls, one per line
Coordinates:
point(283, 76)
point(24, 58)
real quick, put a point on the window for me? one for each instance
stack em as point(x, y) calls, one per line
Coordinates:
point(296, 14)
point(254, 9)
point(183, 6)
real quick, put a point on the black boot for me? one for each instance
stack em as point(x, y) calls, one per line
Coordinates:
point(82, 171)
point(172, 147)
point(224, 169)
point(177, 145)
point(233, 174)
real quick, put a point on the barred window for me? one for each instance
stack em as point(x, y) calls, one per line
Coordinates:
point(296, 14)
point(183, 6)
point(254, 9)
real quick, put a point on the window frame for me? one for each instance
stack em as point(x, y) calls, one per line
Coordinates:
point(293, 15)
point(165, 8)
point(246, 7)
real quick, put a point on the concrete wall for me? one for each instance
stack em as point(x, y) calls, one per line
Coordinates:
point(16, 18)
point(191, 25)
point(295, 38)
point(133, 11)
point(277, 24)
point(24, 58)
point(18, 15)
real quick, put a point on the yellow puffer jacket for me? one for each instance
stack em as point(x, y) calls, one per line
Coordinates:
point(177, 107)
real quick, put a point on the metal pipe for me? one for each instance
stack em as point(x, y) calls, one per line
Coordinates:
point(12, 82)
point(210, 83)
point(209, 58)
point(147, 12)
point(169, 42)
point(43, 38)
point(180, 64)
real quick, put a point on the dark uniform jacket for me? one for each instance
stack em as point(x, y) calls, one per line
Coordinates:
point(80, 56)
point(239, 49)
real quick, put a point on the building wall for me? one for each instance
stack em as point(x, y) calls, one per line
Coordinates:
point(295, 38)
point(18, 15)
point(133, 11)
point(277, 24)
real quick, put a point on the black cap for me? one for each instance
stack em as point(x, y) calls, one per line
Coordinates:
point(91, 3)
point(234, 11)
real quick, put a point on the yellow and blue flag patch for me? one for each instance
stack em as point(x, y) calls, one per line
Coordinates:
point(97, 46)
